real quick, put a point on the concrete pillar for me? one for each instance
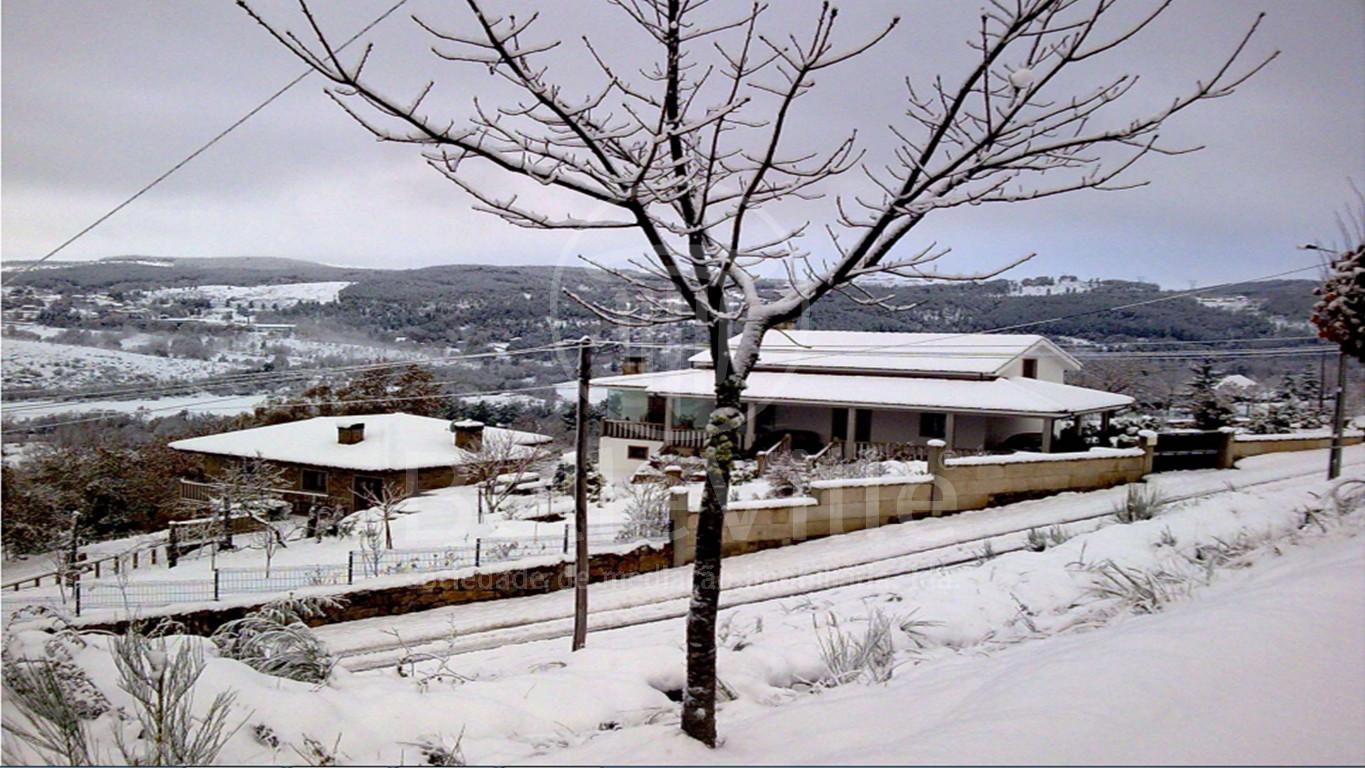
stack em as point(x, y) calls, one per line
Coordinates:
point(936, 468)
point(1225, 458)
point(1048, 426)
point(679, 533)
point(1104, 427)
point(750, 426)
point(950, 430)
point(1147, 440)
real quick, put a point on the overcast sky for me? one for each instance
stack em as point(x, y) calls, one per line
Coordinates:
point(100, 97)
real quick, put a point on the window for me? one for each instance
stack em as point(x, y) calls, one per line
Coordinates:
point(933, 424)
point(1030, 367)
point(314, 480)
point(637, 452)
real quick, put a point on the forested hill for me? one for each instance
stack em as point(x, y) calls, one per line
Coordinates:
point(487, 304)
point(473, 305)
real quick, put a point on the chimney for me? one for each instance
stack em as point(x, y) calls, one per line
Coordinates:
point(350, 434)
point(634, 364)
point(468, 434)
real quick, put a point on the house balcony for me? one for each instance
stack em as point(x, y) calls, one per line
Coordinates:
point(643, 430)
point(205, 493)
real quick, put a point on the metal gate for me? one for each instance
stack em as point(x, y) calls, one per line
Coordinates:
point(1186, 450)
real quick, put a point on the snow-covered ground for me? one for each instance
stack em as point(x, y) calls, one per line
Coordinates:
point(1251, 650)
point(28, 363)
point(268, 296)
point(202, 403)
point(444, 518)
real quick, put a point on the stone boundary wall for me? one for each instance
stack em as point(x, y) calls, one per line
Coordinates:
point(369, 602)
point(1255, 445)
point(953, 485)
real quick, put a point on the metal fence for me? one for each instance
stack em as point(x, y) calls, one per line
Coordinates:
point(360, 565)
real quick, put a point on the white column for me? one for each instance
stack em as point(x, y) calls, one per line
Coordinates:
point(668, 420)
point(950, 430)
point(1048, 425)
point(851, 441)
point(750, 425)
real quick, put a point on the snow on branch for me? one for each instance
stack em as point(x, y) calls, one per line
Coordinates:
point(687, 145)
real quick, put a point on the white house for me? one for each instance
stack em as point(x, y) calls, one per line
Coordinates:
point(856, 389)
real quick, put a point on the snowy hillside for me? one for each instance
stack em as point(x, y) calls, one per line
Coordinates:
point(28, 363)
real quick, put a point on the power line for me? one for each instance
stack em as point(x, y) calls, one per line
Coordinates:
point(206, 145)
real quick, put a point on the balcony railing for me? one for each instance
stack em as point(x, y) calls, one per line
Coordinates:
point(204, 493)
point(641, 430)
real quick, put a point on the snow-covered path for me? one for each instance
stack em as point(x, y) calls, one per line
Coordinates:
point(1265, 666)
point(801, 569)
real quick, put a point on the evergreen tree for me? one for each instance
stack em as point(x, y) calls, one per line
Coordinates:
point(1340, 312)
point(1205, 404)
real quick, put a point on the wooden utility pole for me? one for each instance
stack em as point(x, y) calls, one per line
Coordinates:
point(1338, 419)
point(580, 498)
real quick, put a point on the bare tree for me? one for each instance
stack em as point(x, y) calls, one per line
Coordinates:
point(386, 503)
point(498, 466)
point(685, 150)
point(249, 487)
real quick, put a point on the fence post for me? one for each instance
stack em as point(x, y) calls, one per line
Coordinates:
point(97, 569)
point(478, 546)
point(76, 589)
point(215, 584)
point(153, 551)
point(566, 539)
point(172, 546)
point(135, 559)
point(350, 567)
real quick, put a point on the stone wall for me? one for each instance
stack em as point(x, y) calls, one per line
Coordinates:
point(1255, 445)
point(978, 482)
point(954, 485)
point(369, 602)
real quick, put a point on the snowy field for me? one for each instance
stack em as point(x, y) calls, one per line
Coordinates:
point(202, 403)
point(1243, 643)
point(28, 363)
point(282, 295)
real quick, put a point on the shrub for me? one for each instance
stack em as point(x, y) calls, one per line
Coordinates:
point(849, 656)
point(1141, 502)
point(647, 514)
point(274, 639)
point(1141, 592)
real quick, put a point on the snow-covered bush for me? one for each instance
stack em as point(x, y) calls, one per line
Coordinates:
point(161, 681)
point(1141, 502)
point(647, 514)
point(275, 640)
point(51, 705)
point(850, 656)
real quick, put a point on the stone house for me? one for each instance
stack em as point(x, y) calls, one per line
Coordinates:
point(342, 461)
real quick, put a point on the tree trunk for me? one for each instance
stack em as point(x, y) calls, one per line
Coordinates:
point(724, 433)
point(225, 534)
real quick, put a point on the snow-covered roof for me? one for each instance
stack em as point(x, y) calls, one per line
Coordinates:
point(1236, 381)
point(1006, 396)
point(393, 441)
point(923, 353)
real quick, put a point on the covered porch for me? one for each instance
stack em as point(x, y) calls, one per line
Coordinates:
point(650, 414)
